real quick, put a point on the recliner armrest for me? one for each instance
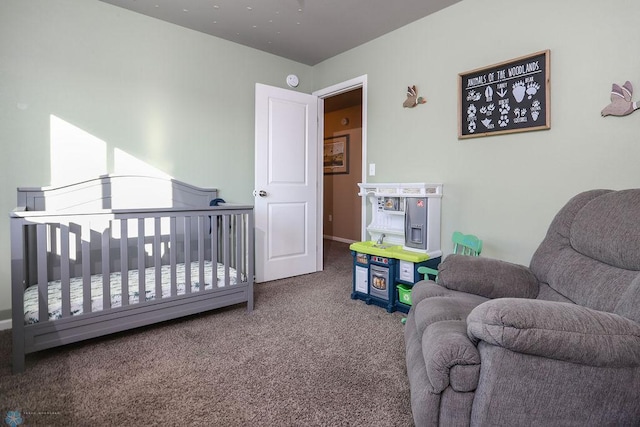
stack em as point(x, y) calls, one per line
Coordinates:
point(557, 330)
point(490, 278)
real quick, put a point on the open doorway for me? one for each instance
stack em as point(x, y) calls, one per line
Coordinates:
point(342, 165)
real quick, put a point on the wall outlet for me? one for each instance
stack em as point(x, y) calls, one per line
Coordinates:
point(372, 169)
point(330, 217)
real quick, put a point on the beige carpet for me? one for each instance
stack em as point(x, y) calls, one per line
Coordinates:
point(308, 355)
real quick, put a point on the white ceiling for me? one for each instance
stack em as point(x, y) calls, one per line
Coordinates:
point(306, 31)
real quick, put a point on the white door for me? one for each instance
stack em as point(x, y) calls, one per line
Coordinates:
point(286, 183)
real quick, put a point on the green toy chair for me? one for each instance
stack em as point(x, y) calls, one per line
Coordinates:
point(463, 244)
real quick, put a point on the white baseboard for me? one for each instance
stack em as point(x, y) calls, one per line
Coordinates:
point(5, 324)
point(339, 239)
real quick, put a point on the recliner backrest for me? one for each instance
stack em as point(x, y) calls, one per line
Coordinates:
point(591, 253)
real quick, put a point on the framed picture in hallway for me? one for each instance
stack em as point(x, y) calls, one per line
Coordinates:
point(336, 155)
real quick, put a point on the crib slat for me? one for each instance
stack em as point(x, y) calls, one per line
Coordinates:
point(19, 238)
point(187, 255)
point(85, 233)
point(173, 255)
point(214, 251)
point(106, 268)
point(247, 245)
point(124, 261)
point(52, 247)
point(65, 276)
point(43, 281)
point(142, 291)
point(226, 247)
point(201, 252)
point(238, 242)
point(157, 261)
point(250, 257)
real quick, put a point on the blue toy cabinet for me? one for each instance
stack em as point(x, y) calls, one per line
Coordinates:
point(376, 278)
point(373, 279)
point(407, 276)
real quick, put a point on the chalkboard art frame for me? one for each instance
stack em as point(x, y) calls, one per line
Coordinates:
point(508, 97)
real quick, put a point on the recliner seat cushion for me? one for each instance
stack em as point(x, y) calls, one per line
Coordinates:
point(447, 305)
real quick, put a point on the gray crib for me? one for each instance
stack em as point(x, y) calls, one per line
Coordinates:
point(119, 252)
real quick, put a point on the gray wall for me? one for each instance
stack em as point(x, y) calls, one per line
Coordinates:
point(506, 188)
point(154, 96)
point(144, 95)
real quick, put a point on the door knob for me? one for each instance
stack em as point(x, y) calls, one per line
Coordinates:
point(260, 193)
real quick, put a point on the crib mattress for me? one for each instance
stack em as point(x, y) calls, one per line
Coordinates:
point(31, 312)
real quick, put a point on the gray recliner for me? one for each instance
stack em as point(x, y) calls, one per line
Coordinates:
point(555, 344)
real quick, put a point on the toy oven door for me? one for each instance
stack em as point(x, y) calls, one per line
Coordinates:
point(379, 281)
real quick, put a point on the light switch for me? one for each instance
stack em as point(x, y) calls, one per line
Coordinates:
point(372, 169)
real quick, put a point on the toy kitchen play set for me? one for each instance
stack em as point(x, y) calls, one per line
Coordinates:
point(405, 235)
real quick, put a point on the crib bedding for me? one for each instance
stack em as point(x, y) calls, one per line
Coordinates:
point(31, 313)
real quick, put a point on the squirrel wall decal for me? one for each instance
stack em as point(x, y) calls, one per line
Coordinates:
point(412, 98)
point(621, 104)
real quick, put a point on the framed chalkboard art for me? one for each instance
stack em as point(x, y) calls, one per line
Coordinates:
point(512, 96)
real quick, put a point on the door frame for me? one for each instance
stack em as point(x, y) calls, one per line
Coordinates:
point(337, 89)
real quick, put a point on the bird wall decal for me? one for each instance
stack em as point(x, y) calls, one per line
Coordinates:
point(621, 104)
point(412, 98)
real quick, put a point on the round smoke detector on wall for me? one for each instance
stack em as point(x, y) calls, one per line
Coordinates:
point(292, 80)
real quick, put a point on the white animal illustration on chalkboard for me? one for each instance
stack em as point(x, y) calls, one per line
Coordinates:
point(621, 104)
point(488, 94)
point(518, 91)
point(532, 89)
